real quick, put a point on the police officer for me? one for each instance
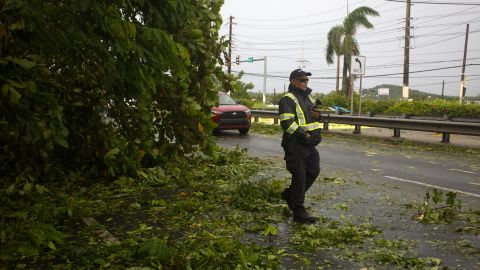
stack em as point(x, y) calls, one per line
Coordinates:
point(299, 120)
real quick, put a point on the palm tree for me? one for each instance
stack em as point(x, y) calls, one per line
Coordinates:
point(335, 47)
point(341, 41)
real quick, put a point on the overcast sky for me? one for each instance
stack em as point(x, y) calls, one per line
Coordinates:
point(288, 31)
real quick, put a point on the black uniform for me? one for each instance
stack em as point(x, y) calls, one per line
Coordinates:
point(302, 159)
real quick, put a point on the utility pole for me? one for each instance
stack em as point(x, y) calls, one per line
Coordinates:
point(264, 82)
point(302, 60)
point(443, 87)
point(462, 79)
point(406, 57)
point(229, 63)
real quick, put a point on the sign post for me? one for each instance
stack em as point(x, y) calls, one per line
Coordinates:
point(264, 81)
point(264, 59)
point(357, 67)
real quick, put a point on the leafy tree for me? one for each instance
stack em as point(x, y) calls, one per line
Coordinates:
point(99, 88)
point(92, 90)
point(341, 41)
point(240, 89)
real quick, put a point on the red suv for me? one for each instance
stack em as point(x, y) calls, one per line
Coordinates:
point(231, 115)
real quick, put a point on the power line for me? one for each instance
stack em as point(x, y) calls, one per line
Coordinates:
point(370, 33)
point(368, 76)
point(301, 17)
point(443, 40)
point(438, 3)
point(289, 26)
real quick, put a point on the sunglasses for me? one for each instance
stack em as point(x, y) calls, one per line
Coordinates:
point(302, 80)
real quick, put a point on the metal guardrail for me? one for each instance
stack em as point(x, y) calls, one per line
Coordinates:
point(445, 127)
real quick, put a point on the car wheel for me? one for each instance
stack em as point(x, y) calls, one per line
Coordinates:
point(244, 131)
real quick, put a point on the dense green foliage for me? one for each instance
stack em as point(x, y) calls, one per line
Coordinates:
point(435, 107)
point(332, 99)
point(376, 106)
point(98, 88)
point(191, 213)
point(95, 90)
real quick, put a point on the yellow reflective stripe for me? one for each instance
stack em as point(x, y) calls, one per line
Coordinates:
point(286, 116)
point(301, 116)
point(291, 129)
point(311, 99)
point(291, 96)
point(312, 126)
point(298, 109)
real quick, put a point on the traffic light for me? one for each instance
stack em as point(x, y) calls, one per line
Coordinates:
point(250, 59)
point(238, 59)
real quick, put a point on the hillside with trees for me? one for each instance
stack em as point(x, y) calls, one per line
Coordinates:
point(396, 93)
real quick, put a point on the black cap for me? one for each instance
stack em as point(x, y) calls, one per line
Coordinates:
point(297, 73)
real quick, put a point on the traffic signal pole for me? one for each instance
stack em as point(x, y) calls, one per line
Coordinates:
point(251, 60)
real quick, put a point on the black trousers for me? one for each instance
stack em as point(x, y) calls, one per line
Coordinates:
point(303, 162)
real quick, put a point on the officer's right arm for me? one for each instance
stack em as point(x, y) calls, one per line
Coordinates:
point(286, 114)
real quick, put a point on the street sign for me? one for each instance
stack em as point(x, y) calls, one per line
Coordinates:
point(250, 59)
point(357, 65)
point(383, 91)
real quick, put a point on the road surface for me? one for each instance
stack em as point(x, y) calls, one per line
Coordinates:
point(412, 167)
point(378, 181)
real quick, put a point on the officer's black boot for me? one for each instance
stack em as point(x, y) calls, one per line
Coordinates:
point(287, 196)
point(300, 215)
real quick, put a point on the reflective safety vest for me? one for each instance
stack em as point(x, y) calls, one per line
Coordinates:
point(302, 122)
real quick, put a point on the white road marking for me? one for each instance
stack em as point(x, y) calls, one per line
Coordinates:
point(462, 171)
point(433, 186)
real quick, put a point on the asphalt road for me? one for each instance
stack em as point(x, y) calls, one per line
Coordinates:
point(411, 168)
point(378, 181)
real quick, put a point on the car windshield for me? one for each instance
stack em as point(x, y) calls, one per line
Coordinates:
point(225, 100)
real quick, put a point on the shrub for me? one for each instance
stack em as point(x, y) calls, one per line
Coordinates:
point(332, 99)
point(435, 107)
point(376, 106)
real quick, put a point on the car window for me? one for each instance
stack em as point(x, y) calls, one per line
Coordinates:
point(225, 100)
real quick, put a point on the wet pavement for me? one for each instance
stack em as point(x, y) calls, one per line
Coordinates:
point(346, 192)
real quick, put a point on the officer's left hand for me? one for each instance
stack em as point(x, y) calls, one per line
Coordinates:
point(315, 114)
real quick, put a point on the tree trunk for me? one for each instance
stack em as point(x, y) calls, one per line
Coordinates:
point(345, 81)
point(338, 74)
